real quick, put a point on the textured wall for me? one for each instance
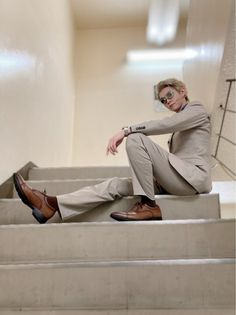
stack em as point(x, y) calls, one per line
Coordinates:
point(206, 32)
point(226, 151)
point(36, 83)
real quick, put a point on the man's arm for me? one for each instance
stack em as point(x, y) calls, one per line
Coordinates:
point(192, 116)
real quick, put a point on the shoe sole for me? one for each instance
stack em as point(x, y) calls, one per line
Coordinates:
point(127, 219)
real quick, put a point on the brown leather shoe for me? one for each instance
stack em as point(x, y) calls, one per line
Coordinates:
point(138, 212)
point(34, 199)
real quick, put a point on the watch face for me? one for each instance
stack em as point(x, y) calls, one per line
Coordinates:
point(126, 131)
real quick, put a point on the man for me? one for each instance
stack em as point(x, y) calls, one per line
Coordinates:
point(184, 170)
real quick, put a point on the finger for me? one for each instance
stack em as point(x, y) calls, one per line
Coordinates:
point(109, 150)
point(114, 150)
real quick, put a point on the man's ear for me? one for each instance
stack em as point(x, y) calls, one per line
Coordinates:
point(184, 91)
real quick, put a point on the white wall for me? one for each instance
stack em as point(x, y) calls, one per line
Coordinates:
point(207, 29)
point(111, 93)
point(37, 91)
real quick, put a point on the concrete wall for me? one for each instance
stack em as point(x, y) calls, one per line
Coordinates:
point(211, 33)
point(112, 93)
point(37, 92)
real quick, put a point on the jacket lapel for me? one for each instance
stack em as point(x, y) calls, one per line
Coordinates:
point(170, 141)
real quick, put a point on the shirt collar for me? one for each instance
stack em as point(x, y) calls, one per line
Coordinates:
point(183, 107)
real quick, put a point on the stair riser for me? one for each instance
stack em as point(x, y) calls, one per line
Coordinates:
point(13, 211)
point(172, 208)
point(79, 172)
point(119, 286)
point(118, 241)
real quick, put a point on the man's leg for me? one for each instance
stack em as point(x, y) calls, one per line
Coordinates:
point(151, 174)
point(44, 206)
point(90, 197)
point(148, 160)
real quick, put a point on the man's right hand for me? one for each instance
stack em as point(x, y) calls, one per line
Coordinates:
point(114, 142)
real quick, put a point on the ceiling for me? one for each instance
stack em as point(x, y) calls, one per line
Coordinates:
point(90, 14)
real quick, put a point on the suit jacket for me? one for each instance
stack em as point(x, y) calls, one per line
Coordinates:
point(189, 147)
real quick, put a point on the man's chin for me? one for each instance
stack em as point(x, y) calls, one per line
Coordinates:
point(172, 107)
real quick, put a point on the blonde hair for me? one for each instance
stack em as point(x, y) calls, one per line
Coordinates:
point(174, 83)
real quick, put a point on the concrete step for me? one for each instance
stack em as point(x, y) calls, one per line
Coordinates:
point(227, 193)
point(122, 285)
point(85, 172)
point(204, 206)
point(63, 186)
point(187, 239)
point(120, 312)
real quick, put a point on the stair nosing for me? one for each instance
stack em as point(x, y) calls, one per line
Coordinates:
point(110, 223)
point(119, 263)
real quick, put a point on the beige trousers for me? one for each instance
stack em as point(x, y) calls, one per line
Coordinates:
point(151, 174)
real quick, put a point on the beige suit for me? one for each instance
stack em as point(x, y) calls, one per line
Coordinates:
point(184, 170)
point(189, 145)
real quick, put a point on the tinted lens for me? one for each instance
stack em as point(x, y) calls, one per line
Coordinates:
point(169, 95)
point(163, 100)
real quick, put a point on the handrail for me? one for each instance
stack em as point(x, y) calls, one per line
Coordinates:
point(225, 109)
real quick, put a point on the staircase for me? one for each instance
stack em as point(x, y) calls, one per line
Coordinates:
point(93, 265)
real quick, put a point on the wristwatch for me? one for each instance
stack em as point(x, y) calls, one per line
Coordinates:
point(127, 130)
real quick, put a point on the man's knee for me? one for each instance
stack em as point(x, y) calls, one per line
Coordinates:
point(134, 140)
point(119, 187)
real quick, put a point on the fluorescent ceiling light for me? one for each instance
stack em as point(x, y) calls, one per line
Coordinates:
point(155, 55)
point(163, 21)
point(15, 62)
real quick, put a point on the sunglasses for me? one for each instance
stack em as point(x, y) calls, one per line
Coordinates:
point(169, 95)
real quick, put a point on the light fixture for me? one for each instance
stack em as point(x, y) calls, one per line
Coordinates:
point(160, 55)
point(162, 21)
point(15, 62)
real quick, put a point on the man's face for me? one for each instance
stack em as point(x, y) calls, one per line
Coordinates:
point(172, 99)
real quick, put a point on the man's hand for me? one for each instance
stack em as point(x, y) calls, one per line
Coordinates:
point(114, 142)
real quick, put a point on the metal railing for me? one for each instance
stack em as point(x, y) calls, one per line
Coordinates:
point(225, 109)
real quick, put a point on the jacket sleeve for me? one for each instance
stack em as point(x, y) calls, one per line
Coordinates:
point(192, 116)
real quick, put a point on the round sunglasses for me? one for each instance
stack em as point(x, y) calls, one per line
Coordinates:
point(169, 95)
